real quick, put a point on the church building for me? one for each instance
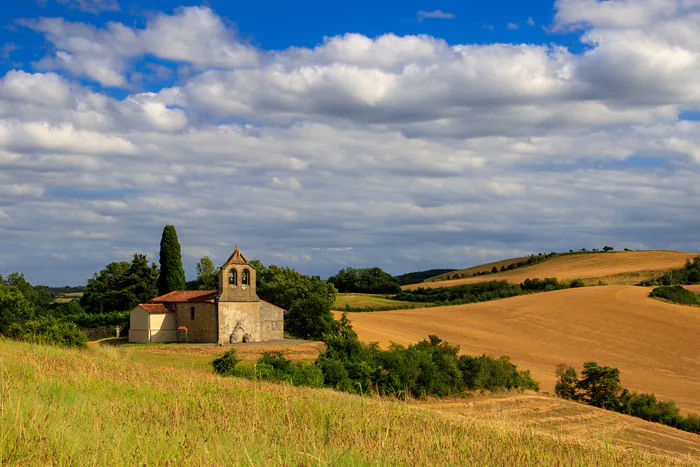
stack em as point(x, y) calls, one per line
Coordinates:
point(232, 314)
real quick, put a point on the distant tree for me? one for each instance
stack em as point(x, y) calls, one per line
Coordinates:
point(14, 306)
point(566, 386)
point(608, 248)
point(37, 295)
point(172, 276)
point(307, 300)
point(367, 280)
point(206, 274)
point(121, 286)
point(600, 386)
point(494, 270)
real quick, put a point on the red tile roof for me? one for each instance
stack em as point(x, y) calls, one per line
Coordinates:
point(265, 301)
point(154, 307)
point(179, 296)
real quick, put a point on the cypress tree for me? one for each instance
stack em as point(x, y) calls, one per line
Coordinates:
point(172, 276)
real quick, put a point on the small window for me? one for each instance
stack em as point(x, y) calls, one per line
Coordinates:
point(245, 277)
point(232, 277)
point(192, 313)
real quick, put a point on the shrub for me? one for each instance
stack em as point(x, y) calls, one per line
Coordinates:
point(48, 330)
point(676, 294)
point(225, 365)
point(575, 283)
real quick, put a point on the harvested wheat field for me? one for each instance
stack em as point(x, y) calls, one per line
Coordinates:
point(622, 267)
point(570, 420)
point(656, 345)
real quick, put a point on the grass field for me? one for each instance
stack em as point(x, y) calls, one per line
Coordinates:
point(618, 268)
point(655, 345)
point(567, 418)
point(99, 407)
point(357, 300)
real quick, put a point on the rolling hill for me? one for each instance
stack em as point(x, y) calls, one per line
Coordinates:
point(655, 345)
point(619, 268)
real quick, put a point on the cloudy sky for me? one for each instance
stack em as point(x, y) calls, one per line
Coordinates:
point(406, 135)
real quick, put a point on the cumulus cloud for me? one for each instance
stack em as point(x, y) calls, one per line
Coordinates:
point(416, 152)
point(512, 26)
point(435, 14)
point(194, 35)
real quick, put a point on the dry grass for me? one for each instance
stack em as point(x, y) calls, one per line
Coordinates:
point(357, 300)
point(480, 268)
point(97, 407)
point(567, 418)
point(612, 268)
point(655, 345)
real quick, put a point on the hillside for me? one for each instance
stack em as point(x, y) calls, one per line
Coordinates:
point(98, 407)
point(619, 268)
point(477, 269)
point(567, 418)
point(654, 344)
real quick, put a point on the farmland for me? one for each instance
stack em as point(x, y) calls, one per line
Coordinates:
point(614, 268)
point(654, 344)
point(98, 406)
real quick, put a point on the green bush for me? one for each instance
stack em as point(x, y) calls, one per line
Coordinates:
point(600, 387)
point(676, 294)
point(48, 330)
point(575, 283)
point(225, 365)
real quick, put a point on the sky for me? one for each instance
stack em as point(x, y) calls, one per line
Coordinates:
point(319, 135)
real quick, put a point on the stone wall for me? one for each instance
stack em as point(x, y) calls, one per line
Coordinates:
point(237, 319)
point(271, 322)
point(203, 327)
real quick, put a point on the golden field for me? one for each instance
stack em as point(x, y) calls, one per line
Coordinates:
point(99, 407)
point(618, 268)
point(656, 345)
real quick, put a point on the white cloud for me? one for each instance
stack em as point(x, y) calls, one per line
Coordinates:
point(416, 152)
point(194, 35)
point(512, 26)
point(530, 21)
point(435, 14)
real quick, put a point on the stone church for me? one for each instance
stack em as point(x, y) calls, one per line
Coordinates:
point(232, 314)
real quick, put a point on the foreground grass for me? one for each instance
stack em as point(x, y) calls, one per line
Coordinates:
point(356, 300)
point(98, 407)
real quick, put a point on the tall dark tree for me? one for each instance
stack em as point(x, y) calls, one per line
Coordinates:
point(172, 276)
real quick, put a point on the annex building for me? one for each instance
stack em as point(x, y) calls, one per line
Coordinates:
point(232, 314)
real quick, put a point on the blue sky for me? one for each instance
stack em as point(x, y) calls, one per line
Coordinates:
point(321, 135)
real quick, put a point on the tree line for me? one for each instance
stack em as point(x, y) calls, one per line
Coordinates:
point(599, 386)
point(432, 367)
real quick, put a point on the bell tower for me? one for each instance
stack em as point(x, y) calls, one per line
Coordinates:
point(237, 279)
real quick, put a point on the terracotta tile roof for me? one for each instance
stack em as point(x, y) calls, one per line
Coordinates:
point(265, 301)
point(154, 307)
point(179, 296)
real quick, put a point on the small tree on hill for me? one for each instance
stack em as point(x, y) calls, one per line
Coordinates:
point(567, 382)
point(172, 276)
point(608, 248)
point(600, 386)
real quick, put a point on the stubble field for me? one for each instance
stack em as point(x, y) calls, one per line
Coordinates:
point(655, 345)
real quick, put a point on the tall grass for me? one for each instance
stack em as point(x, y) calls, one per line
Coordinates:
point(87, 407)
